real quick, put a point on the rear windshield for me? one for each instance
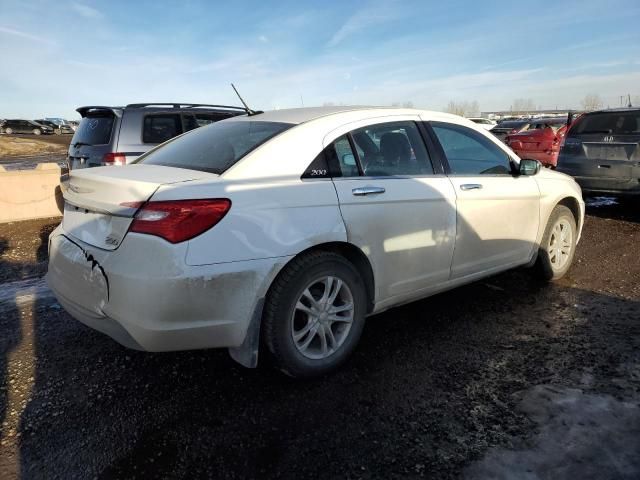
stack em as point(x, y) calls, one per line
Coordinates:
point(616, 123)
point(94, 130)
point(214, 148)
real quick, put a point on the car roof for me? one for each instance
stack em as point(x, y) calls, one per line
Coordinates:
point(615, 110)
point(302, 115)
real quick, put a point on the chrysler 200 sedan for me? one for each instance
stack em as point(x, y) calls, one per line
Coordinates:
point(284, 230)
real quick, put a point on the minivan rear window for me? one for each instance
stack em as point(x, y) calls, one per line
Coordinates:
point(616, 123)
point(214, 148)
point(94, 130)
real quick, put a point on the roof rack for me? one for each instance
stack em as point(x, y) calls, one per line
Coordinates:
point(181, 105)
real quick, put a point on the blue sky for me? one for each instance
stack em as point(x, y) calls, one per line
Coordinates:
point(58, 55)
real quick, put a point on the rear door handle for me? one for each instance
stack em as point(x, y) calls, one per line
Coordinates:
point(604, 166)
point(470, 186)
point(361, 191)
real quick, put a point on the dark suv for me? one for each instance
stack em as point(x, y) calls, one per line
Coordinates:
point(24, 126)
point(119, 135)
point(602, 152)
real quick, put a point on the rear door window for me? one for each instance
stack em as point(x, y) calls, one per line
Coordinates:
point(94, 130)
point(160, 128)
point(394, 148)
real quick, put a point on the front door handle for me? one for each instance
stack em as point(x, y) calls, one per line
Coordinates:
point(470, 186)
point(604, 166)
point(360, 191)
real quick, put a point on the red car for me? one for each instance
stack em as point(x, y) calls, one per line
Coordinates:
point(541, 141)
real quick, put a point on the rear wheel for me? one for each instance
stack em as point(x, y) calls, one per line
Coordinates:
point(558, 245)
point(57, 131)
point(314, 314)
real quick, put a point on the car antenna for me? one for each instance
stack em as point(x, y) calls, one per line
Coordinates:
point(246, 107)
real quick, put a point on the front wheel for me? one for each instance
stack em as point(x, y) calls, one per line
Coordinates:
point(8, 131)
point(314, 314)
point(558, 245)
point(37, 131)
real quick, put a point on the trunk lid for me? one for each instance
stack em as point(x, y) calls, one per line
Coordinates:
point(100, 202)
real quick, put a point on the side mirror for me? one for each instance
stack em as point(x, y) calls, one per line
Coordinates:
point(529, 167)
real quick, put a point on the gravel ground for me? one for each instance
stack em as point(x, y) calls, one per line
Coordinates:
point(505, 378)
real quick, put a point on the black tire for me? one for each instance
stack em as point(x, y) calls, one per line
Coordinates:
point(279, 308)
point(544, 266)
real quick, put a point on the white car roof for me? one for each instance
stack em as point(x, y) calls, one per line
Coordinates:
point(291, 152)
point(303, 115)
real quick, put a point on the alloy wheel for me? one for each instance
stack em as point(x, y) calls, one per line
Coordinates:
point(322, 317)
point(560, 244)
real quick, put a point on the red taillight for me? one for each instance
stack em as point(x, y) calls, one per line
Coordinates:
point(179, 220)
point(114, 158)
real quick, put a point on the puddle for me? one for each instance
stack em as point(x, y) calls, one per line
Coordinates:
point(600, 201)
point(18, 293)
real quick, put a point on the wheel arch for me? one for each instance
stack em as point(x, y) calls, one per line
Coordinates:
point(354, 255)
point(572, 204)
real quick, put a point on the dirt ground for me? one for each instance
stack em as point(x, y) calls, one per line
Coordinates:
point(504, 378)
point(26, 151)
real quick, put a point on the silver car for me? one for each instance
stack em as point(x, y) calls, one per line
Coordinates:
point(109, 136)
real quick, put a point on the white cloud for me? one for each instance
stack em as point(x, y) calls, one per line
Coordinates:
point(368, 17)
point(263, 39)
point(28, 36)
point(86, 11)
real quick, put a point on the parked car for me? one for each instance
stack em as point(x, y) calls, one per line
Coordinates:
point(483, 122)
point(540, 141)
point(601, 151)
point(74, 124)
point(509, 127)
point(288, 228)
point(57, 129)
point(118, 135)
point(25, 126)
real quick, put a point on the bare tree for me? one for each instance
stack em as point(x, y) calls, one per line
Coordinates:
point(463, 108)
point(523, 105)
point(592, 101)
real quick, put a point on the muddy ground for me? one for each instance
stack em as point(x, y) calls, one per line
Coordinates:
point(505, 378)
point(24, 152)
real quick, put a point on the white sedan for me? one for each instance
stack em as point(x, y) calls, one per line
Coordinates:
point(288, 228)
point(483, 122)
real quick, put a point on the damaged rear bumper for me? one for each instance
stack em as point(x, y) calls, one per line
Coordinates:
point(145, 297)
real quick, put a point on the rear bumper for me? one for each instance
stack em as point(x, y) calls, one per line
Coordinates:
point(594, 185)
point(143, 295)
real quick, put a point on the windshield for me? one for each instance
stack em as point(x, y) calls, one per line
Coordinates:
point(214, 148)
point(94, 130)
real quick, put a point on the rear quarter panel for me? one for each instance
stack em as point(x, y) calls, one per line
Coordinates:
point(270, 218)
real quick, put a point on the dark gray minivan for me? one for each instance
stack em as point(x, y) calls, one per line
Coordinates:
point(602, 152)
point(119, 135)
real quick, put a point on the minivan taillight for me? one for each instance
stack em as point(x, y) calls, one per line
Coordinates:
point(114, 158)
point(179, 220)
